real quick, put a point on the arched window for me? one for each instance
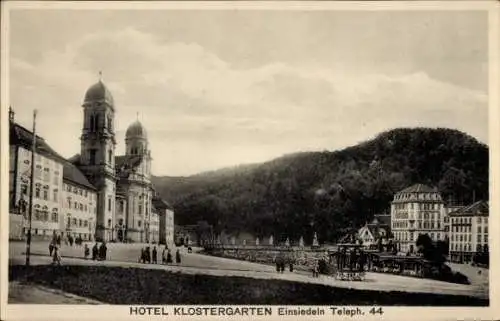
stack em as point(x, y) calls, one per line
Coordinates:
point(37, 190)
point(96, 122)
point(45, 212)
point(110, 123)
point(55, 216)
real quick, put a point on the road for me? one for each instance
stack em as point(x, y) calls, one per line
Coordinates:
point(194, 263)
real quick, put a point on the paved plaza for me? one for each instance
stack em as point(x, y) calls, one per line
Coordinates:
point(127, 255)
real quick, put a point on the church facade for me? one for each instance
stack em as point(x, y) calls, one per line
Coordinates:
point(123, 205)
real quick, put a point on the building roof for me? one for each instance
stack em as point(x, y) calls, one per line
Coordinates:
point(124, 164)
point(479, 208)
point(136, 130)
point(98, 93)
point(160, 203)
point(382, 219)
point(419, 188)
point(375, 230)
point(73, 174)
point(21, 136)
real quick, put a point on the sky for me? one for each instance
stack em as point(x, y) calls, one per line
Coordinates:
point(218, 88)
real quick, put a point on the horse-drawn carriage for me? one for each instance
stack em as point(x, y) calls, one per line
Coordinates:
point(348, 262)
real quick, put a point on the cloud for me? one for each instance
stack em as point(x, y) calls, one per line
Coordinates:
point(203, 113)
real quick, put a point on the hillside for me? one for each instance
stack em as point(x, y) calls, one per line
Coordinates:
point(330, 192)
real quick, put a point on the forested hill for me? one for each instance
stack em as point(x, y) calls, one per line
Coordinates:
point(330, 192)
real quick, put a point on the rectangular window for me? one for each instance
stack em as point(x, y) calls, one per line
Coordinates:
point(38, 172)
point(485, 238)
point(46, 174)
point(24, 189)
point(109, 204)
point(478, 238)
point(45, 194)
point(55, 192)
point(479, 229)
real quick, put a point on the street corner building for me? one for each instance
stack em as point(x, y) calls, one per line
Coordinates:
point(94, 195)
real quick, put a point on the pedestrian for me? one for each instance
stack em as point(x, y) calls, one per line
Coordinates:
point(51, 248)
point(95, 251)
point(56, 258)
point(316, 269)
point(148, 254)
point(142, 257)
point(102, 251)
point(86, 251)
point(169, 257)
point(155, 255)
point(291, 266)
point(178, 257)
point(58, 242)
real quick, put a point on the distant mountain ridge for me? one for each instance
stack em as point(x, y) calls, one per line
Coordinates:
point(330, 192)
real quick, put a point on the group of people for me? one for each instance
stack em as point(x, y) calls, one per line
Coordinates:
point(148, 256)
point(99, 253)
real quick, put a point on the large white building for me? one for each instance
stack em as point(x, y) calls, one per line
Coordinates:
point(95, 194)
point(468, 231)
point(418, 209)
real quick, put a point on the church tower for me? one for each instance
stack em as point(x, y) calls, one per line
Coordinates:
point(136, 143)
point(140, 189)
point(97, 160)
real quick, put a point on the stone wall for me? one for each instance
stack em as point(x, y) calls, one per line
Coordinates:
point(301, 256)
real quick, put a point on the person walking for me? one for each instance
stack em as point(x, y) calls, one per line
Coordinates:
point(142, 257)
point(56, 258)
point(148, 255)
point(155, 255)
point(95, 251)
point(86, 251)
point(316, 269)
point(103, 251)
point(178, 257)
point(51, 248)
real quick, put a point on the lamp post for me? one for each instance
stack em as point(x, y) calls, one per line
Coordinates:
point(32, 189)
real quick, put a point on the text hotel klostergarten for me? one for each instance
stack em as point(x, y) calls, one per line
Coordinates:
point(253, 311)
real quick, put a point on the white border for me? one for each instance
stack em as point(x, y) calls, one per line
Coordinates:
point(64, 312)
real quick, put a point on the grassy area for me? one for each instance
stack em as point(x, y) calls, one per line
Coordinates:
point(117, 285)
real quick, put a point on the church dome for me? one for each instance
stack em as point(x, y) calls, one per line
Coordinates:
point(98, 92)
point(136, 130)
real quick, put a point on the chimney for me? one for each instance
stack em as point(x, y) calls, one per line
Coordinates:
point(11, 114)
